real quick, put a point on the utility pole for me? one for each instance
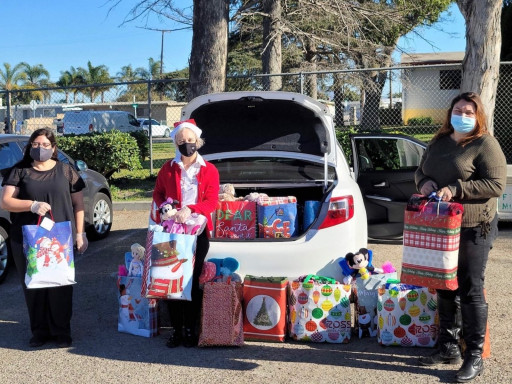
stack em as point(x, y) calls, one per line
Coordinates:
point(162, 44)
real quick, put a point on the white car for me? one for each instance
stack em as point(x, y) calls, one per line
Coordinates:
point(284, 144)
point(157, 129)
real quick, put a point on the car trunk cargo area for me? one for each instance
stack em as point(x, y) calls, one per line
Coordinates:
point(285, 215)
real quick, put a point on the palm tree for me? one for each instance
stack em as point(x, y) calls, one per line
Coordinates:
point(69, 78)
point(37, 77)
point(9, 79)
point(152, 72)
point(127, 92)
point(95, 75)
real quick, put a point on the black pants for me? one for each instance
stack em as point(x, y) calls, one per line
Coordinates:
point(474, 248)
point(186, 313)
point(49, 309)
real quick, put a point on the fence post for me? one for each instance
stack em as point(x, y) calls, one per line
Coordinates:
point(301, 81)
point(149, 132)
point(7, 128)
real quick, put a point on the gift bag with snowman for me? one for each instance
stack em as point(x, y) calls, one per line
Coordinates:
point(319, 310)
point(168, 266)
point(137, 314)
point(407, 315)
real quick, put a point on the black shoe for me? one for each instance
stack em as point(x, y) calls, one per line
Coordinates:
point(37, 341)
point(472, 367)
point(174, 339)
point(63, 341)
point(448, 355)
point(189, 339)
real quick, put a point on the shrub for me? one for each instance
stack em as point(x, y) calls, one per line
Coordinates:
point(420, 120)
point(106, 153)
point(142, 143)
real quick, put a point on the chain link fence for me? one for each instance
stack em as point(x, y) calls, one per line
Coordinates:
point(410, 99)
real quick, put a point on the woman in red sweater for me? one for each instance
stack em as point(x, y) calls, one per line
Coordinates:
point(194, 183)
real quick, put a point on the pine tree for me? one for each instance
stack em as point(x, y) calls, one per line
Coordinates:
point(31, 261)
point(262, 317)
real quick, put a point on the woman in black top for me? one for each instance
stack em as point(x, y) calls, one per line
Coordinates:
point(37, 184)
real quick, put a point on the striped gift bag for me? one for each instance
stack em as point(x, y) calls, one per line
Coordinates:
point(431, 243)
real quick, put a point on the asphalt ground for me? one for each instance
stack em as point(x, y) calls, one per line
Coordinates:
point(100, 354)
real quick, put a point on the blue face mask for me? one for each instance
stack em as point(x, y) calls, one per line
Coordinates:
point(463, 124)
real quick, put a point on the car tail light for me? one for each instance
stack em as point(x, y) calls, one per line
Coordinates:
point(341, 209)
point(91, 128)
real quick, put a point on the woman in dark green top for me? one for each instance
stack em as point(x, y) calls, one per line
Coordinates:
point(464, 163)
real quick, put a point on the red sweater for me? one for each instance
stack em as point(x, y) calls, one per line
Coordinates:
point(168, 185)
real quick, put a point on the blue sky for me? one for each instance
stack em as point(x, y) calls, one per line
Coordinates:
point(63, 33)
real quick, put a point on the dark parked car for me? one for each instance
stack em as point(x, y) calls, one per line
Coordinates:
point(97, 197)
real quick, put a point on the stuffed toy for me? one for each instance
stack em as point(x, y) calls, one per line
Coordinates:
point(360, 263)
point(136, 263)
point(227, 193)
point(254, 196)
point(168, 209)
point(225, 269)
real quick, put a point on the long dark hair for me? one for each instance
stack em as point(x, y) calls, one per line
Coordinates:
point(27, 160)
point(481, 120)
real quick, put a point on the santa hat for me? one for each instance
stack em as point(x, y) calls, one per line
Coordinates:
point(190, 124)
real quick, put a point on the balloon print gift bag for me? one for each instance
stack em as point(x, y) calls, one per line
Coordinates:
point(407, 315)
point(319, 310)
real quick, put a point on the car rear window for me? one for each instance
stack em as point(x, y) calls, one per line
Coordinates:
point(270, 169)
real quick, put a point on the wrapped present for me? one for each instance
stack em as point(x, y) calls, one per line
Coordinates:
point(365, 303)
point(265, 308)
point(277, 217)
point(221, 315)
point(407, 315)
point(319, 310)
point(137, 314)
point(235, 220)
point(431, 243)
point(168, 266)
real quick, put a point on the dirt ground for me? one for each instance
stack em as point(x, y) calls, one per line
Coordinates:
point(101, 354)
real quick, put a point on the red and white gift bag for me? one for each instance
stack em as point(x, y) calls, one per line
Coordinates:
point(265, 308)
point(431, 243)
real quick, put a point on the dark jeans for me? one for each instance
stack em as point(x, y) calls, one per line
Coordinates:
point(473, 255)
point(49, 309)
point(186, 313)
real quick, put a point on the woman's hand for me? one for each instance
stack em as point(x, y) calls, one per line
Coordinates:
point(182, 215)
point(429, 187)
point(445, 194)
point(81, 242)
point(40, 208)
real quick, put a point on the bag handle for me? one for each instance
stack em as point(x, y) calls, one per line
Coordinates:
point(321, 279)
point(40, 217)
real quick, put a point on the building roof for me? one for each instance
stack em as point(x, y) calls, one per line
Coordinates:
point(432, 58)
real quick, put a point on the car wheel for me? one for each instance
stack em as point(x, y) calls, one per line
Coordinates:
point(5, 261)
point(101, 217)
point(167, 133)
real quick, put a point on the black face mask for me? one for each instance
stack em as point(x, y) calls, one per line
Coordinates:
point(41, 154)
point(187, 149)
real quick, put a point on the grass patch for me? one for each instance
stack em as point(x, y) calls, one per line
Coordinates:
point(127, 185)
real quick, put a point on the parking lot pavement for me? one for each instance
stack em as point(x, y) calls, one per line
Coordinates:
point(101, 354)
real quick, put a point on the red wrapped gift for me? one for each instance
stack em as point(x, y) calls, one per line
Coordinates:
point(431, 243)
point(235, 220)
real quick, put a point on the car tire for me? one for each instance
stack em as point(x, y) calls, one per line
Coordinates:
point(5, 258)
point(101, 215)
point(167, 133)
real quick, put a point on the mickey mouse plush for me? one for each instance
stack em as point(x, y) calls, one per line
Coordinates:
point(358, 263)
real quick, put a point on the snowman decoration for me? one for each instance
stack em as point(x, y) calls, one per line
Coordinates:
point(166, 271)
